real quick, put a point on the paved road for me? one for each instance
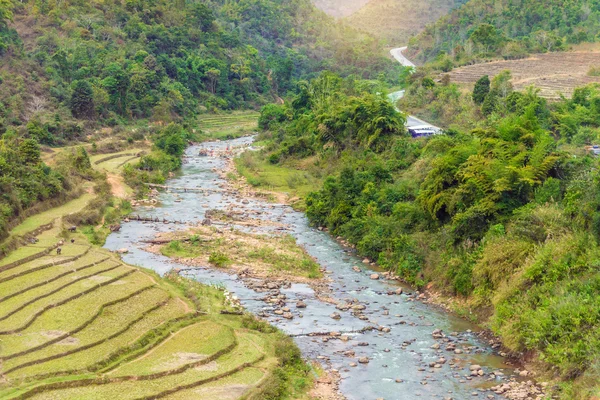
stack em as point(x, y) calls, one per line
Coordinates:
point(397, 54)
point(411, 121)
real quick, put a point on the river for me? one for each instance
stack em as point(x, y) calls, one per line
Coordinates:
point(399, 366)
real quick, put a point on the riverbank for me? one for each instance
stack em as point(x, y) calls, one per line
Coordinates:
point(116, 325)
point(523, 388)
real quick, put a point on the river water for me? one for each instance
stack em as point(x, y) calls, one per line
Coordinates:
point(399, 366)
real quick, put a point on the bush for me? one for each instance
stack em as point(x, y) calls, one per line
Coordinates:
point(219, 259)
point(270, 116)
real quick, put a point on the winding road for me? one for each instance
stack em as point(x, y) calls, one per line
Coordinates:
point(416, 126)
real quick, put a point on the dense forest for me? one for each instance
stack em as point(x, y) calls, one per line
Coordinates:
point(71, 67)
point(505, 215)
point(482, 29)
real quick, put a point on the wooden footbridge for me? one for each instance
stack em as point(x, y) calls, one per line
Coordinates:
point(183, 189)
point(156, 220)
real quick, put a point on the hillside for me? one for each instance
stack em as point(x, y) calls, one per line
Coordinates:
point(72, 69)
point(395, 21)
point(555, 74)
point(81, 324)
point(502, 217)
point(337, 8)
point(487, 28)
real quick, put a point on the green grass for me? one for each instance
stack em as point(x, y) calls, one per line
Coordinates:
point(46, 262)
point(26, 281)
point(72, 324)
point(90, 275)
point(262, 174)
point(70, 314)
point(229, 126)
point(187, 346)
point(229, 388)
point(247, 351)
point(88, 358)
point(274, 253)
point(111, 320)
point(34, 222)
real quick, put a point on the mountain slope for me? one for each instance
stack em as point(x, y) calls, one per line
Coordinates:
point(509, 28)
point(70, 68)
point(397, 20)
point(337, 8)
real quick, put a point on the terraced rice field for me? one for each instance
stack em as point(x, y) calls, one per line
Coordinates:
point(229, 125)
point(112, 162)
point(553, 73)
point(83, 325)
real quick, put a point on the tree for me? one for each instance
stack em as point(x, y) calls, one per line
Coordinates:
point(204, 16)
point(213, 75)
point(116, 84)
point(501, 83)
point(82, 99)
point(490, 104)
point(270, 115)
point(481, 89)
point(487, 37)
point(5, 11)
point(29, 150)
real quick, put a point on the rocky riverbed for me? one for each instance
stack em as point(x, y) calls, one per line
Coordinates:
point(375, 337)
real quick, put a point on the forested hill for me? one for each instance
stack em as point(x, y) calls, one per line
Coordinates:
point(508, 28)
point(134, 59)
point(71, 67)
point(395, 21)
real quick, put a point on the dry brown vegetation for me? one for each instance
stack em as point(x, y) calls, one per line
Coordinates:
point(397, 20)
point(553, 73)
point(339, 8)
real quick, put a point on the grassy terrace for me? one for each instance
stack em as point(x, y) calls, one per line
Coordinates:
point(83, 325)
point(229, 126)
point(294, 180)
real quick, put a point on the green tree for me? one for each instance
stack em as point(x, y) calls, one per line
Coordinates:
point(6, 14)
point(116, 84)
point(270, 115)
point(481, 89)
point(487, 37)
point(490, 104)
point(82, 99)
point(29, 150)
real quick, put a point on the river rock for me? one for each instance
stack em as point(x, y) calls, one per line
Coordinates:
point(288, 315)
point(336, 315)
point(300, 304)
point(363, 360)
point(356, 269)
point(366, 261)
point(353, 364)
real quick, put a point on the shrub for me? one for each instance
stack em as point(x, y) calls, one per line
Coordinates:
point(219, 259)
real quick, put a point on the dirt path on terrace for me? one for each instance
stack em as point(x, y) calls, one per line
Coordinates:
point(117, 185)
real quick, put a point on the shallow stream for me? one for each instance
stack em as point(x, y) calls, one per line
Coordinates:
point(399, 366)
